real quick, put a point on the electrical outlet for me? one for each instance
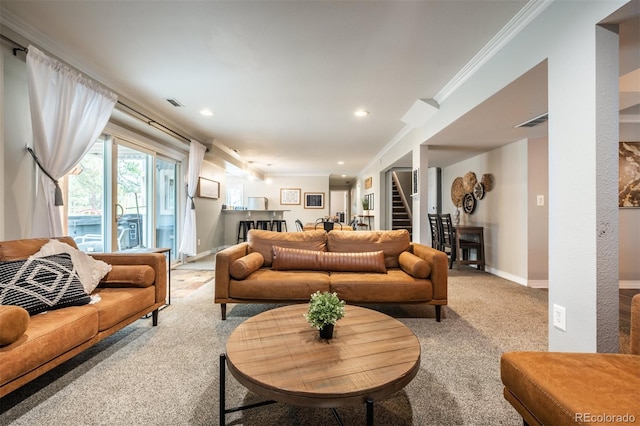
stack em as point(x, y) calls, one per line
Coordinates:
point(198, 241)
point(560, 317)
point(540, 200)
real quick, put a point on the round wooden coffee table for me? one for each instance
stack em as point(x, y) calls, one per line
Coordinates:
point(277, 355)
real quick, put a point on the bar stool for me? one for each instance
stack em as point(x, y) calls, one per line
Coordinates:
point(279, 225)
point(263, 224)
point(243, 229)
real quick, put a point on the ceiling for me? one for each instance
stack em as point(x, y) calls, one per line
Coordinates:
point(283, 78)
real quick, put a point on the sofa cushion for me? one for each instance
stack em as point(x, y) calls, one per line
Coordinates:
point(118, 304)
point(267, 284)
point(129, 276)
point(262, 241)
point(413, 265)
point(49, 335)
point(90, 270)
point(21, 249)
point(14, 321)
point(392, 243)
point(41, 284)
point(297, 259)
point(394, 286)
point(246, 265)
point(557, 387)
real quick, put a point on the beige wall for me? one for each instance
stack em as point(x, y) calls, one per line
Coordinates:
point(538, 216)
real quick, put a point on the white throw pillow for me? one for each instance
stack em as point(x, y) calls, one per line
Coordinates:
point(90, 271)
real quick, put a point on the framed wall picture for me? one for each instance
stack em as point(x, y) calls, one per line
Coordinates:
point(208, 188)
point(368, 183)
point(314, 200)
point(629, 174)
point(290, 196)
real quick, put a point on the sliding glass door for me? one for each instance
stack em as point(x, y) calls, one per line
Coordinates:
point(122, 197)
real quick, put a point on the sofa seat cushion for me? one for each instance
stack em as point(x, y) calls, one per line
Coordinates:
point(268, 284)
point(556, 387)
point(118, 304)
point(392, 243)
point(263, 241)
point(394, 286)
point(49, 334)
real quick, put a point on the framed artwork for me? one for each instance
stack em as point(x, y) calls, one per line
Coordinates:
point(629, 174)
point(416, 175)
point(369, 200)
point(314, 200)
point(368, 183)
point(208, 188)
point(290, 196)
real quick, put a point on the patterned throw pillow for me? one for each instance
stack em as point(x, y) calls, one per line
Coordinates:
point(41, 284)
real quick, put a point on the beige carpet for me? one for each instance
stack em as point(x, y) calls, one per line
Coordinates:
point(169, 375)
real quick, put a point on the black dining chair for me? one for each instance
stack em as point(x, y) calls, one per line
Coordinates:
point(436, 231)
point(299, 225)
point(448, 241)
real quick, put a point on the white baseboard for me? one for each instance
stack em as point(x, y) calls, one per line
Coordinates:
point(629, 284)
point(622, 284)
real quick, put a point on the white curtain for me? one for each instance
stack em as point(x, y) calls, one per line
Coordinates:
point(189, 235)
point(68, 113)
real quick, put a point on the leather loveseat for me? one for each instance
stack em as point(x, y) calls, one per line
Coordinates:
point(31, 345)
point(562, 388)
point(361, 267)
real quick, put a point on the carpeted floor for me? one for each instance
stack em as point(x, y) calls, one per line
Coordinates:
point(168, 375)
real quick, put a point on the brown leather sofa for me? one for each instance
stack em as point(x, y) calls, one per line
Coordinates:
point(135, 287)
point(361, 267)
point(558, 388)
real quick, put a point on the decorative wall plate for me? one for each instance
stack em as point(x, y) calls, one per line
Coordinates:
point(487, 182)
point(470, 181)
point(478, 191)
point(469, 203)
point(457, 192)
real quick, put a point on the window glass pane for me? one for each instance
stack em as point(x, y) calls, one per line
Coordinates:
point(166, 205)
point(85, 201)
point(132, 201)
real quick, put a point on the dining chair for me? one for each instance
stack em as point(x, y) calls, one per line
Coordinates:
point(436, 231)
point(299, 225)
point(448, 241)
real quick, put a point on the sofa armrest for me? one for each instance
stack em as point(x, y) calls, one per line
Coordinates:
point(158, 261)
point(439, 268)
point(635, 325)
point(224, 259)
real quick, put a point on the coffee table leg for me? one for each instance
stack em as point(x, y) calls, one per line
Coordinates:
point(223, 411)
point(369, 412)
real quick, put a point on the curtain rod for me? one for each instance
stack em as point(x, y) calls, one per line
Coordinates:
point(20, 47)
point(150, 121)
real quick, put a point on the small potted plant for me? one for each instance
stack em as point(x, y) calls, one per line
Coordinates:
point(365, 205)
point(324, 310)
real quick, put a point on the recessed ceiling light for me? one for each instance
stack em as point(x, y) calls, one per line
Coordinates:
point(341, 162)
point(206, 112)
point(361, 113)
point(344, 176)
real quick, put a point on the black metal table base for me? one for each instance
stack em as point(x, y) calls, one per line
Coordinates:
point(224, 411)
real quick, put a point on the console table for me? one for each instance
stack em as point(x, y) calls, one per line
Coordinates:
point(470, 238)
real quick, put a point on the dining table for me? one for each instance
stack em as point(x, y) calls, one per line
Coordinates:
point(337, 226)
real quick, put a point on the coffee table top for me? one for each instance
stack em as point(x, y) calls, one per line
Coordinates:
point(278, 355)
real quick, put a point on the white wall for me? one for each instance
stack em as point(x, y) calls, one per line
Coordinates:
point(502, 212)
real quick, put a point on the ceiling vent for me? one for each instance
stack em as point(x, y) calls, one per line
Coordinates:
point(175, 103)
point(535, 121)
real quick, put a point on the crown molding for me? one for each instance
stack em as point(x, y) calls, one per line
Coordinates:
point(527, 14)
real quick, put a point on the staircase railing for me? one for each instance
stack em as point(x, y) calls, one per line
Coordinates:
point(403, 197)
